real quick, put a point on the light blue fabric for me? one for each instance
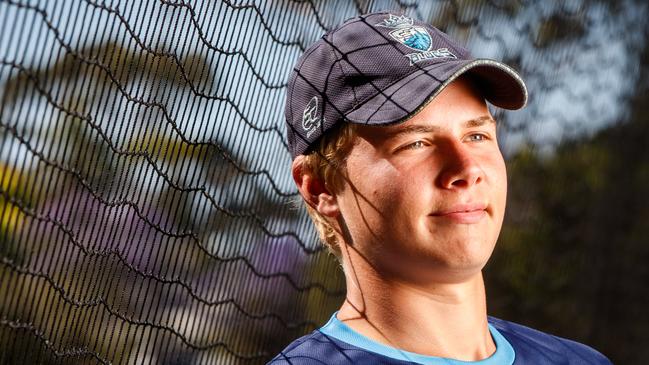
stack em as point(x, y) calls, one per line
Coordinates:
point(504, 354)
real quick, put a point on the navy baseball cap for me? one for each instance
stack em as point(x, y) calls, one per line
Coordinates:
point(380, 69)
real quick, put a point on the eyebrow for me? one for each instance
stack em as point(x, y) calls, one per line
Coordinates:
point(413, 129)
point(479, 121)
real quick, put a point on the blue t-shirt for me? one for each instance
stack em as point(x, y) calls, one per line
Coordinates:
point(337, 344)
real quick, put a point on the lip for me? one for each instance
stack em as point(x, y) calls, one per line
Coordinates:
point(463, 213)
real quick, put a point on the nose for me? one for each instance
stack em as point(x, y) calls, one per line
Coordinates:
point(460, 169)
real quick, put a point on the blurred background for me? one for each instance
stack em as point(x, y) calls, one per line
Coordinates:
point(146, 210)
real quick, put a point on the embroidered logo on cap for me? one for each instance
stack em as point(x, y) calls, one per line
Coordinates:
point(311, 121)
point(414, 37)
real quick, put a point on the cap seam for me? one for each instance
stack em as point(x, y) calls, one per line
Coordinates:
point(453, 77)
point(381, 92)
point(417, 68)
point(342, 70)
point(296, 70)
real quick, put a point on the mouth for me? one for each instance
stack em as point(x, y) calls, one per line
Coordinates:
point(463, 213)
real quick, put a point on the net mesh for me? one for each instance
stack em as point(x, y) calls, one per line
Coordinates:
point(147, 213)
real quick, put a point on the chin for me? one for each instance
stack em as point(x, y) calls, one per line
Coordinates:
point(468, 254)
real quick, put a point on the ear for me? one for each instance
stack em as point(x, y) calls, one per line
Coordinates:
point(313, 190)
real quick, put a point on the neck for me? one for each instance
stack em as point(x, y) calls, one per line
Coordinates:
point(444, 320)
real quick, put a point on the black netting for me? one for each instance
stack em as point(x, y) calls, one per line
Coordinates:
point(147, 212)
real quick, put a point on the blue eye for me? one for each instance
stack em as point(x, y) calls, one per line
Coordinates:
point(416, 145)
point(477, 137)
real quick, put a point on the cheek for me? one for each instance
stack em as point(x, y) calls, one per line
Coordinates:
point(498, 182)
point(388, 190)
point(502, 177)
point(371, 190)
point(406, 199)
point(381, 198)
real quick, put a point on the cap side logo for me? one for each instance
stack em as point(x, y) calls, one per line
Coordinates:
point(414, 37)
point(311, 121)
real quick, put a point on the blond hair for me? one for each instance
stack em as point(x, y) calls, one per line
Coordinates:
point(326, 162)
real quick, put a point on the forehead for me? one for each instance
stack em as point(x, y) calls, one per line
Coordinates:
point(415, 126)
point(459, 105)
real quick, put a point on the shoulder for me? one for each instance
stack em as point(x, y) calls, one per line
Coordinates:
point(533, 346)
point(317, 348)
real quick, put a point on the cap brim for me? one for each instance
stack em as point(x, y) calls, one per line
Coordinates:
point(499, 84)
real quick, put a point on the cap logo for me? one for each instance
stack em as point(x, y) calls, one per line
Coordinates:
point(414, 37)
point(311, 121)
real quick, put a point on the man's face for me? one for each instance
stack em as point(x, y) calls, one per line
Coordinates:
point(425, 199)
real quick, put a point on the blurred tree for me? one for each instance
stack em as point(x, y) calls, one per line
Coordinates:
point(572, 255)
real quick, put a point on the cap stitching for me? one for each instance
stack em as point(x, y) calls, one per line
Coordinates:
point(296, 70)
point(376, 87)
point(380, 92)
point(338, 61)
point(307, 140)
point(453, 77)
point(467, 67)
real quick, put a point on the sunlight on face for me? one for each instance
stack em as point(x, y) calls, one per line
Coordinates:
point(425, 198)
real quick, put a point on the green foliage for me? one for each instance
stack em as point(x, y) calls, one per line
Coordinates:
point(571, 258)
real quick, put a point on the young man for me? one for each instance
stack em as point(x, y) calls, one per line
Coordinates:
point(396, 157)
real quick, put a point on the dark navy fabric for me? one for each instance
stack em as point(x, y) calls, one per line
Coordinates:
point(535, 347)
point(530, 347)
